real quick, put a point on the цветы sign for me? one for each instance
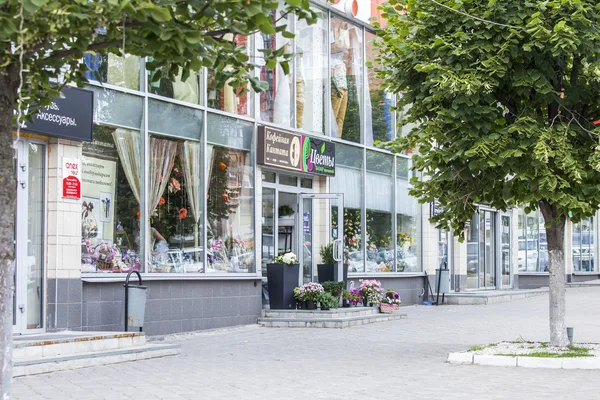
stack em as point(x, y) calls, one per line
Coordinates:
point(295, 152)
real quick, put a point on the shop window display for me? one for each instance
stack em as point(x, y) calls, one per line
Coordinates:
point(187, 90)
point(348, 180)
point(408, 222)
point(275, 102)
point(111, 188)
point(227, 98)
point(175, 206)
point(379, 204)
point(311, 76)
point(230, 211)
point(346, 62)
point(123, 71)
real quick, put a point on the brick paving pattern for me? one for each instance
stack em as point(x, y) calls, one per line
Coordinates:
point(402, 359)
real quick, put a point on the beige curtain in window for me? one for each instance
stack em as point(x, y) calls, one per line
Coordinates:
point(129, 147)
point(192, 171)
point(162, 157)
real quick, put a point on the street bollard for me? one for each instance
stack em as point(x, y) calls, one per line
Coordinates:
point(570, 335)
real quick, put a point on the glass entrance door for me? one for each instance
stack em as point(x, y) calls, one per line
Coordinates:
point(28, 299)
point(505, 251)
point(321, 225)
point(481, 251)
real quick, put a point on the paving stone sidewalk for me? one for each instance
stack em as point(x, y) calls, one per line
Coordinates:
point(402, 359)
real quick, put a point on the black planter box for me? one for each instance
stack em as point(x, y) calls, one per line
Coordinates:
point(281, 281)
point(329, 272)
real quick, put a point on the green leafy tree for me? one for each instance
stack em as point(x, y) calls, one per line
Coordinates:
point(41, 47)
point(505, 95)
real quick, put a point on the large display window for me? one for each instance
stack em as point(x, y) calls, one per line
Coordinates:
point(408, 220)
point(584, 247)
point(122, 71)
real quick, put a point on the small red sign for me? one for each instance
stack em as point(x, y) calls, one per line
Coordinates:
point(71, 187)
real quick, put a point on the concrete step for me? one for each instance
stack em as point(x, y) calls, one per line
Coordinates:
point(69, 343)
point(42, 365)
point(490, 296)
point(59, 351)
point(320, 314)
point(338, 323)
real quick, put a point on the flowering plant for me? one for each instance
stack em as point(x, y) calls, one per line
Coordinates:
point(308, 291)
point(353, 296)
point(391, 297)
point(287, 258)
point(372, 290)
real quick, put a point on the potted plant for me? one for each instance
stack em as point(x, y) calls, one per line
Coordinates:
point(299, 296)
point(353, 296)
point(390, 303)
point(346, 295)
point(327, 300)
point(335, 288)
point(328, 270)
point(308, 293)
point(371, 291)
point(282, 278)
point(285, 211)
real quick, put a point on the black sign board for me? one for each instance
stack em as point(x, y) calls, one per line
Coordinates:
point(293, 151)
point(69, 118)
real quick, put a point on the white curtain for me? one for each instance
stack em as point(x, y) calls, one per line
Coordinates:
point(379, 192)
point(128, 144)
point(405, 204)
point(282, 109)
point(349, 182)
point(162, 157)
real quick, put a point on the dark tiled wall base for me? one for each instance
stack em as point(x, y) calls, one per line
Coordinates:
point(64, 310)
point(175, 306)
point(583, 278)
point(409, 288)
point(531, 281)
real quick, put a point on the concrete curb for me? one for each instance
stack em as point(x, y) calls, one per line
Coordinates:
point(524, 362)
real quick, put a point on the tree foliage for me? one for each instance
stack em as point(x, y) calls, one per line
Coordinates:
point(177, 34)
point(504, 95)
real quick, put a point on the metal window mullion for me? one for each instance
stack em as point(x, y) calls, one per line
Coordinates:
point(253, 48)
point(395, 215)
point(363, 94)
point(294, 65)
point(327, 113)
point(255, 207)
point(363, 210)
point(204, 183)
point(145, 218)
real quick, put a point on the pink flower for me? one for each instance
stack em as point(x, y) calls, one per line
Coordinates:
point(174, 186)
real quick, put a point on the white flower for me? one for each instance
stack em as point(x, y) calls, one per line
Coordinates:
point(289, 258)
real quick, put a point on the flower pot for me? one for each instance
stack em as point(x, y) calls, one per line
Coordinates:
point(386, 308)
point(323, 308)
point(329, 272)
point(365, 303)
point(281, 281)
point(345, 303)
point(300, 305)
point(311, 305)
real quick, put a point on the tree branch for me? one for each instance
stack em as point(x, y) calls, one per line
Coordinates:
point(73, 51)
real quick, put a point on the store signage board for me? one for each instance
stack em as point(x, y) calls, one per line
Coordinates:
point(70, 117)
point(292, 151)
point(71, 168)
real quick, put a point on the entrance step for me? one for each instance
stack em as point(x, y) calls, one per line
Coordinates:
point(50, 352)
point(335, 318)
point(490, 296)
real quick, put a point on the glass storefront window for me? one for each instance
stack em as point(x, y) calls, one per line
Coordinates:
point(348, 180)
point(378, 102)
point(187, 90)
point(311, 77)
point(230, 196)
point(533, 247)
point(123, 71)
point(584, 248)
point(276, 101)
point(408, 222)
point(111, 192)
point(346, 80)
point(379, 204)
point(228, 98)
point(175, 206)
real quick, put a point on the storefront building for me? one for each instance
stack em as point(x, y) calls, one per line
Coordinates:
point(198, 188)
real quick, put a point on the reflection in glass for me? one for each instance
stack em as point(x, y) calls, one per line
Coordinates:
point(473, 253)
point(35, 234)
point(490, 259)
point(408, 220)
point(187, 90)
point(346, 80)
point(378, 102)
point(311, 66)
point(505, 249)
point(123, 71)
point(230, 210)
point(174, 119)
point(228, 98)
point(583, 246)
point(268, 237)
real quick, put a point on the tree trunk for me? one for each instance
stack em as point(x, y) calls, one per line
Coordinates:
point(555, 237)
point(8, 89)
